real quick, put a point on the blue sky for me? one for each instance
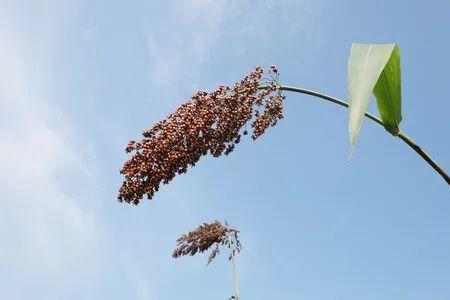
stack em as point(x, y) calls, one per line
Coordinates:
point(78, 79)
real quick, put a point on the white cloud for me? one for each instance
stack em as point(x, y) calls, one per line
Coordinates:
point(187, 33)
point(179, 44)
point(44, 230)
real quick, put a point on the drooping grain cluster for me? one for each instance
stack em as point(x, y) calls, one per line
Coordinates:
point(207, 123)
point(206, 236)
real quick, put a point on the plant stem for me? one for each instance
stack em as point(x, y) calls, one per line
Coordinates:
point(401, 134)
point(425, 156)
point(235, 279)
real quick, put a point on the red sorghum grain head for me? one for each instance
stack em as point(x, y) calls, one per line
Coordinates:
point(207, 123)
point(206, 236)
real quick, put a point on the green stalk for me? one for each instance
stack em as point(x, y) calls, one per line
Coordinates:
point(401, 134)
point(235, 279)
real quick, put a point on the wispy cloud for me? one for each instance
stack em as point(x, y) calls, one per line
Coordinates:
point(179, 44)
point(44, 229)
point(188, 33)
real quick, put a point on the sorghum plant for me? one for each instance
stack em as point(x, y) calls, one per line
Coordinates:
point(211, 236)
point(215, 122)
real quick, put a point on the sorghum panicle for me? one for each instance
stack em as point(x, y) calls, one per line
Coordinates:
point(207, 123)
point(206, 236)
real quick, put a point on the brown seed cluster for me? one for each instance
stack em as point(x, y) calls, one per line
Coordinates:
point(207, 123)
point(206, 236)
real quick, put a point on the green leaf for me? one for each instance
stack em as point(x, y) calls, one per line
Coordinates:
point(374, 69)
point(388, 93)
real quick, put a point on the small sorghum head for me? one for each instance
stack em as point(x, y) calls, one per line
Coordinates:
point(206, 236)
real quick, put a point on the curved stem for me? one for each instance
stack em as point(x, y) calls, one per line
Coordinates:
point(401, 134)
point(325, 97)
point(424, 155)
